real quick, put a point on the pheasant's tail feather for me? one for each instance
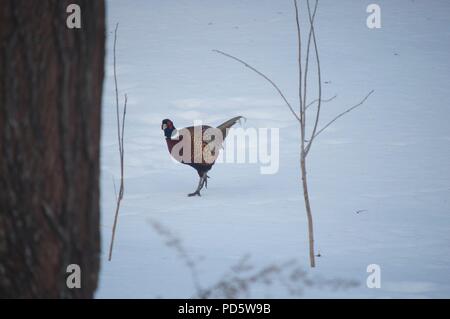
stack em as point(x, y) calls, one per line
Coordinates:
point(226, 125)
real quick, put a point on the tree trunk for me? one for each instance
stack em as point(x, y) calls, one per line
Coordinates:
point(50, 110)
point(308, 212)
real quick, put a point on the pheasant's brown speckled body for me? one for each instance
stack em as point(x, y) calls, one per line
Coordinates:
point(202, 148)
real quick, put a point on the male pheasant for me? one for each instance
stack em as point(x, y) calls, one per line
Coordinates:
point(197, 146)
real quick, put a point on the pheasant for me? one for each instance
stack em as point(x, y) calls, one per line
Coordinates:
point(197, 146)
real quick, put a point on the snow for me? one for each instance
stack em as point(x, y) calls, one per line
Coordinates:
point(389, 157)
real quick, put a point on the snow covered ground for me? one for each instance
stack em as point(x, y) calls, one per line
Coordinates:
point(389, 157)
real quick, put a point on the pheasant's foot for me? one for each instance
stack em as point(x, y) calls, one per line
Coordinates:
point(202, 182)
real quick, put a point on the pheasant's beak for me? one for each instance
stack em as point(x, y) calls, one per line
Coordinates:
point(164, 126)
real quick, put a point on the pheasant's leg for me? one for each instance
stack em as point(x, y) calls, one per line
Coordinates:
point(199, 187)
point(206, 180)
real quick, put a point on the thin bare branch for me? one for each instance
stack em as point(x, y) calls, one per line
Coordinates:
point(311, 35)
point(123, 118)
point(173, 241)
point(264, 76)
point(115, 190)
point(323, 101)
point(120, 134)
point(299, 43)
point(319, 77)
point(340, 115)
point(117, 91)
point(116, 216)
point(122, 145)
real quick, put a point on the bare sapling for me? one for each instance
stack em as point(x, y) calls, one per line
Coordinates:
point(120, 133)
point(314, 108)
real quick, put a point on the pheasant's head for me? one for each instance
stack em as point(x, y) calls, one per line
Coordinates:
point(168, 128)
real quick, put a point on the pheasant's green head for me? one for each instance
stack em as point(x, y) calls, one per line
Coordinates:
point(168, 128)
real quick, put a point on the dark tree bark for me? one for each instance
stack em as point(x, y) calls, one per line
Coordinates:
point(50, 101)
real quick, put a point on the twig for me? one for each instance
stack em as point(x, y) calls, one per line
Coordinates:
point(174, 242)
point(122, 154)
point(120, 134)
point(115, 190)
point(264, 76)
point(239, 280)
point(323, 101)
point(340, 115)
point(311, 35)
point(319, 77)
point(117, 91)
point(299, 43)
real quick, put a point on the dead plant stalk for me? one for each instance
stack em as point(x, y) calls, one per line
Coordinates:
point(120, 133)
